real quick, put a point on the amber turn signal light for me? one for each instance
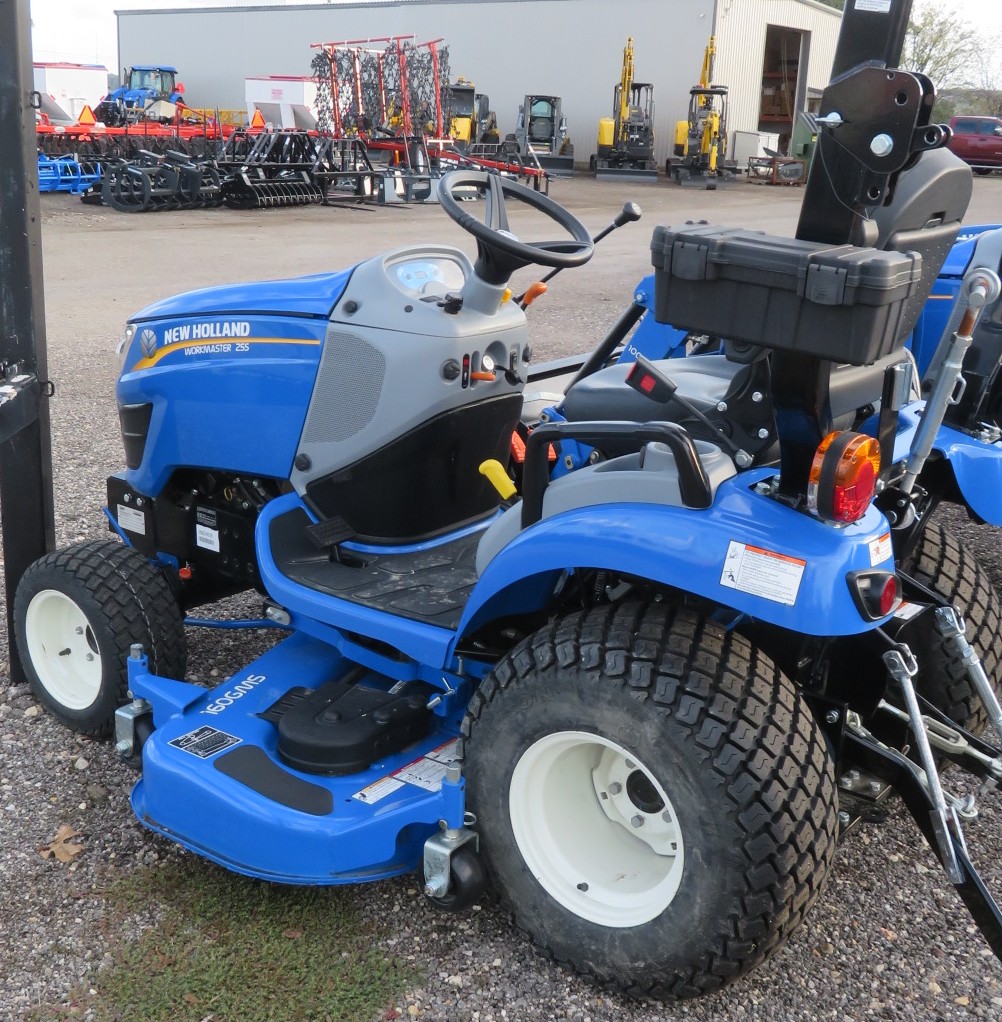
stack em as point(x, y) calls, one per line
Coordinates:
point(843, 478)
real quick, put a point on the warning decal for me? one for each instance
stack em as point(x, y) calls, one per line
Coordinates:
point(425, 772)
point(428, 771)
point(131, 519)
point(204, 742)
point(764, 573)
point(378, 789)
point(880, 549)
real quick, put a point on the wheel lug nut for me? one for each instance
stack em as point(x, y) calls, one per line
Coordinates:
point(615, 788)
point(637, 821)
point(90, 656)
point(79, 629)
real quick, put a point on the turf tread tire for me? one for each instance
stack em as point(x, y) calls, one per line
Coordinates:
point(945, 565)
point(752, 733)
point(126, 600)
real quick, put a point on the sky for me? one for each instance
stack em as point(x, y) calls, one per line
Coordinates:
point(84, 31)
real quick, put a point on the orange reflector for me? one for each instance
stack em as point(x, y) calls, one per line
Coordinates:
point(185, 573)
point(257, 121)
point(86, 116)
point(843, 478)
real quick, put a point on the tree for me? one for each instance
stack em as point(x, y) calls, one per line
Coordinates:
point(940, 45)
point(986, 76)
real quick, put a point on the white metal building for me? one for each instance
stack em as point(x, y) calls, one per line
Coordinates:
point(771, 53)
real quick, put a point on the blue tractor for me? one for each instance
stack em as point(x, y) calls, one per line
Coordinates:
point(637, 651)
point(142, 85)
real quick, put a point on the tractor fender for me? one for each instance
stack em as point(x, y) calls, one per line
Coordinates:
point(747, 552)
point(977, 468)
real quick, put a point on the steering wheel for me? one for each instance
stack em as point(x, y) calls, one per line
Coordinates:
point(499, 252)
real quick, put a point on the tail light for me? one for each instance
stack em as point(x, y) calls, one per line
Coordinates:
point(875, 593)
point(843, 477)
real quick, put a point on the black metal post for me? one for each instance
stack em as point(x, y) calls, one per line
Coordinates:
point(800, 382)
point(27, 517)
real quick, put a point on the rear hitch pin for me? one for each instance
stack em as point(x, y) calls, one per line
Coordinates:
point(951, 627)
point(944, 818)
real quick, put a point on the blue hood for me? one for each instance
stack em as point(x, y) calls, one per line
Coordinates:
point(313, 296)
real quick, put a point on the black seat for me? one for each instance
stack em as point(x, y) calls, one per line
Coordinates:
point(924, 216)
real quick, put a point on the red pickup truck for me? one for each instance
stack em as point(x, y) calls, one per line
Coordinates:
point(977, 141)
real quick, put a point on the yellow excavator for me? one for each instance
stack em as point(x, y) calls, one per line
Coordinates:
point(471, 121)
point(626, 140)
point(700, 150)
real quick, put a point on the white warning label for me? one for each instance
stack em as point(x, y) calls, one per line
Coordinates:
point(428, 771)
point(378, 790)
point(880, 549)
point(877, 6)
point(207, 539)
point(762, 573)
point(907, 611)
point(131, 520)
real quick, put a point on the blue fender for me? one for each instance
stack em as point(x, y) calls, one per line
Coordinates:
point(977, 467)
point(693, 551)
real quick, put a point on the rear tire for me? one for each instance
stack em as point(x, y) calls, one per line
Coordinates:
point(657, 803)
point(945, 565)
point(77, 612)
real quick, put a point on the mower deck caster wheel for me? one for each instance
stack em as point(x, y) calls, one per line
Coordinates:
point(467, 881)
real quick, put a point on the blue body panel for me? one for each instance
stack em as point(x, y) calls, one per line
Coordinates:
point(686, 548)
point(977, 467)
point(936, 313)
point(226, 393)
point(320, 614)
point(315, 295)
point(184, 796)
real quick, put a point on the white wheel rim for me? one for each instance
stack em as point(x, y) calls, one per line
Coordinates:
point(596, 829)
point(63, 650)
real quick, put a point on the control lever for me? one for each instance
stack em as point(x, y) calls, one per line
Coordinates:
point(627, 215)
point(645, 378)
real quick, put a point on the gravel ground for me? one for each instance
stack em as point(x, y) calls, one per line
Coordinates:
point(889, 939)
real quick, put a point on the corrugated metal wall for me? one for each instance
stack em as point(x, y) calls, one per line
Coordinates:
point(741, 31)
point(570, 48)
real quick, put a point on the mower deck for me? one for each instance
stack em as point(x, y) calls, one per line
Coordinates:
point(214, 780)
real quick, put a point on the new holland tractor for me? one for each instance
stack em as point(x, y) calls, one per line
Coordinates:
point(142, 86)
point(637, 657)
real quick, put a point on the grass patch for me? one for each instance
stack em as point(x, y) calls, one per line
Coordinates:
point(231, 949)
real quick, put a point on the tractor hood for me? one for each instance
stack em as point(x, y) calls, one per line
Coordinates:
point(313, 296)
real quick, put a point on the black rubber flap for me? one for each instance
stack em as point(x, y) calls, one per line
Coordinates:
point(339, 730)
point(253, 767)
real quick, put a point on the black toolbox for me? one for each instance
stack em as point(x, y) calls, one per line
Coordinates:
point(836, 302)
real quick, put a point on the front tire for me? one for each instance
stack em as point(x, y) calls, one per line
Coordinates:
point(76, 613)
point(656, 802)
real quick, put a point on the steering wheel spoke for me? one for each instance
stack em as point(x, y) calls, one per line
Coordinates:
point(500, 252)
point(496, 215)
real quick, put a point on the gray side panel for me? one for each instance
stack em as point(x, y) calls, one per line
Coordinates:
point(348, 388)
point(382, 371)
point(617, 481)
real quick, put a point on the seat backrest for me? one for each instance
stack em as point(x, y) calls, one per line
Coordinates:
point(924, 216)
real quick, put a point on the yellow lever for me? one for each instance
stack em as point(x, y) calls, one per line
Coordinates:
point(498, 477)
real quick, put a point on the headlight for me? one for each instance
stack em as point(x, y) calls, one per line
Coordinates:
point(122, 348)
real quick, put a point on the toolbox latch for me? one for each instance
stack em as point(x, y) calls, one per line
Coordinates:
point(825, 285)
point(688, 261)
